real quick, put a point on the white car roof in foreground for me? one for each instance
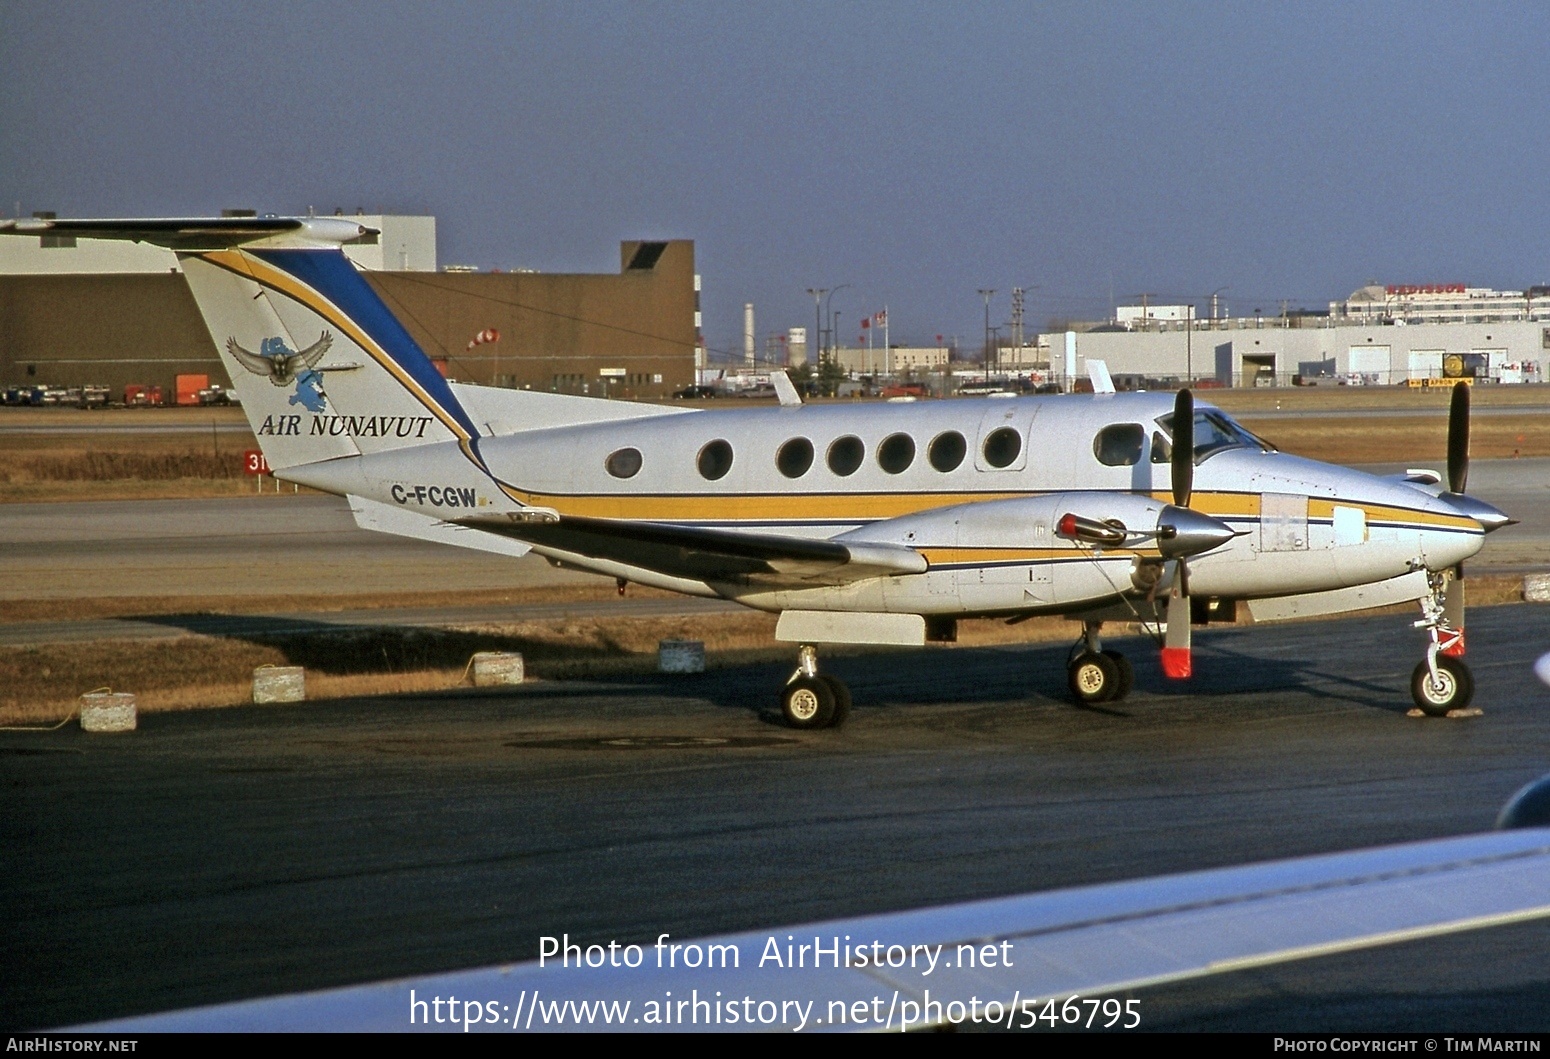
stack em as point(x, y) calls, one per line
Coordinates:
point(1092, 940)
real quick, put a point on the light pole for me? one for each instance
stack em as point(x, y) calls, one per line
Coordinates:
point(826, 303)
point(812, 344)
point(985, 360)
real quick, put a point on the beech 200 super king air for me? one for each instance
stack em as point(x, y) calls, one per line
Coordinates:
point(875, 524)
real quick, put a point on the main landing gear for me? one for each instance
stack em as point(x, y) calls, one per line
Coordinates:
point(1094, 674)
point(1442, 684)
point(812, 699)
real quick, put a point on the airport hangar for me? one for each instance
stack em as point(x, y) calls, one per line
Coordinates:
point(1379, 335)
point(115, 314)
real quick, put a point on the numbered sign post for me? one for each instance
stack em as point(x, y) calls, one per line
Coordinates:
point(253, 463)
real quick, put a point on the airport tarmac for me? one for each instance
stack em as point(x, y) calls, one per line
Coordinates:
point(229, 853)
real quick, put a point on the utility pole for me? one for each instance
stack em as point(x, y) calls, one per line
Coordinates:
point(1017, 323)
point(985, 361)
point(813, 353)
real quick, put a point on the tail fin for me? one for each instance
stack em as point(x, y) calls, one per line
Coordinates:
point(322, 367)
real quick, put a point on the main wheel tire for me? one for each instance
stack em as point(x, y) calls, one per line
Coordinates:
point(808, 702)
point(1454, 688)
point(1093, 677)
point(841, 699)
point(1127, 674)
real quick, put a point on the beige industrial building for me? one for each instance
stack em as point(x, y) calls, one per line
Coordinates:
point(115, 314)
point(1441, 331)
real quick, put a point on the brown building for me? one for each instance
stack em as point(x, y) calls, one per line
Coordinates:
point(627, 335)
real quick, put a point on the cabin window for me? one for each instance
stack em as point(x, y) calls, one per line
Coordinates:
point(715, 460)
point(1120, 445)
point(846, 454)
point(1002, 447)
point(623, 463)
point(947, 451)
point(896, 453)
point(795, 457)
point(1162, 448)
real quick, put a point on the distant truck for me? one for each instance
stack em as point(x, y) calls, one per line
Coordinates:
point(140, 395)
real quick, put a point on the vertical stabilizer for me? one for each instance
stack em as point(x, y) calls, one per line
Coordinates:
point(321, 365)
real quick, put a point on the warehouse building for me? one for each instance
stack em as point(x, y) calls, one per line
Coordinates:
point(120, 314)
point(1426, 333)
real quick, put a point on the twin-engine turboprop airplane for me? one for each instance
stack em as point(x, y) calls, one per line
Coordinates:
point(876, 524)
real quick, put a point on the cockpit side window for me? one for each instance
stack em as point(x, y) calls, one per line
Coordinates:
point(1214, 432)
point(1120, 445)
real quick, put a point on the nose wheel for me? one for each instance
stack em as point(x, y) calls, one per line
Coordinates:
point(812, 699)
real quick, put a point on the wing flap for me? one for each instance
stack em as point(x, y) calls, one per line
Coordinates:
point(701, 553)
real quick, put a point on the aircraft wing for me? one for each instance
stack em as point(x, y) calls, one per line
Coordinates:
point(698, 553)
point(1092, 942)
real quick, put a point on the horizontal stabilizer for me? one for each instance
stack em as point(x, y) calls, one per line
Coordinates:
point(384, 518)
point(200, 233)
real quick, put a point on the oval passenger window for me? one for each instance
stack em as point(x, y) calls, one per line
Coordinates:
point(795, 457)
point(623, 463)
point(1119, 445)
point(947, 451)
point(715, 460)
point(846, 454)
point(896, 453)
point(1002, 447)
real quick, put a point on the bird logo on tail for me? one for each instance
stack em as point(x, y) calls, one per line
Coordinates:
point(283, 366)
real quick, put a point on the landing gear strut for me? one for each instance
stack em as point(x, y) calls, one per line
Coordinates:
point(1094, 674)
point(1442, 683)
point(812, 699)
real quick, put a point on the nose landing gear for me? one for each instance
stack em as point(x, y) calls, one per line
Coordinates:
point(1442, 685)
point(812, 699)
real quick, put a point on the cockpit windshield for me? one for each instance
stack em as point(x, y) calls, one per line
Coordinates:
point(1216, 432)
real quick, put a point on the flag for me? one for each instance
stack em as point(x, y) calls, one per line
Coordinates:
point(866, 322)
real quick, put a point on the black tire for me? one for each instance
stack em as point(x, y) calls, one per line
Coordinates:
point(841, 699)
point(807, 702)
point(1455, 688)
point(1127, 674)
point(1092, 677)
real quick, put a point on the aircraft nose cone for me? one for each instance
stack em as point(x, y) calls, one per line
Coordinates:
point(1489, 516)
point(1182, 532)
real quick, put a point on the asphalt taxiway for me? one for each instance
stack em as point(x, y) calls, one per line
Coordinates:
point(220, 854)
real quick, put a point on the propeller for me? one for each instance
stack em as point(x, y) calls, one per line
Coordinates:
point(1176, 660)
point(1458, 477)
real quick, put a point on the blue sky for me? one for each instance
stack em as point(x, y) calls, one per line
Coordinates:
point(914, 151)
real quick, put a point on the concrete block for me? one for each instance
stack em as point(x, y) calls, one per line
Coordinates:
point(279, 684)
point(680, 656)
point(492, 668)
point(108, 711)
point(1536, 588)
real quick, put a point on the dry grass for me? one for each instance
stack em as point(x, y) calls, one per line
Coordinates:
point(1401, 439)
point(198, 671)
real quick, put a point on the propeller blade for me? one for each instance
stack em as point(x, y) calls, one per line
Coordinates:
point(1183, 447)
point(1458, 438)
point(1177, 663)
point(1453, 611)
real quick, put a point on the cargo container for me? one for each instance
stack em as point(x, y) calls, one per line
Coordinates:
point(188, 387)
